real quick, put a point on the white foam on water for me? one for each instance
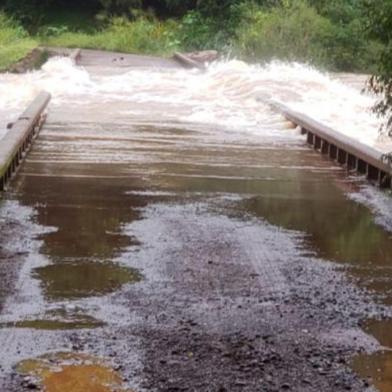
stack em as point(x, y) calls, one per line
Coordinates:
point(59, 76)
point(378, 201)
point(230, 94)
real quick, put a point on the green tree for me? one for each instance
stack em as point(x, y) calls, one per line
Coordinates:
point(29, 12)
point(380, 27)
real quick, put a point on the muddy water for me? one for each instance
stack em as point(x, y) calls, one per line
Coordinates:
point(228, 94)
point(73, 373)
point(133, 142)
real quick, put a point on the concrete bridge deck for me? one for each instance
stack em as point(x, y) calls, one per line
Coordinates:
point(188, 254)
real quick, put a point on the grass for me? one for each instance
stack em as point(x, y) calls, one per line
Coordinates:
point(145, 35)
point(12, 53)
point(141, 36)
point(293, 31)
point(15, 43)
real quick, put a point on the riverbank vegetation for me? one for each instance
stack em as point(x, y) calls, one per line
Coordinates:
point(15, 42)
point(325, 33)
point(380, 27)
point(139, 36)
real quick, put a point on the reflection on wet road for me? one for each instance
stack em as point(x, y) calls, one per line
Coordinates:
point(69, 372)
point(89, 178)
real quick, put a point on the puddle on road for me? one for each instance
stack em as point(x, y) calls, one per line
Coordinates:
point(71, 372)
point(84, 279)
point(88, 238)
point(58, 320)
point(381, 330)
point(376, 367)
point(346, 232)
point(292, 188)
point(85, 230)
point(55, 325)
point(338, 229)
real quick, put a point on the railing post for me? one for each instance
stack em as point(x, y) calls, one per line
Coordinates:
point(16, 142)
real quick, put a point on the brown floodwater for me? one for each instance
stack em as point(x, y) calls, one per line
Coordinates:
point(104, 156)
point(59, 372)
point(88, 206)
point(291, 187)
point(83, 250)
point(378, 366)
point(58, 319)
point(55, 325)
point(83, 279)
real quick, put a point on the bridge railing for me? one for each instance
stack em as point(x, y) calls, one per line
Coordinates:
point(346, 151)
point(16, 142)
point(187, 62)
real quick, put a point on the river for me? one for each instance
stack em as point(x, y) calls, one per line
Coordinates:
point(154, 195)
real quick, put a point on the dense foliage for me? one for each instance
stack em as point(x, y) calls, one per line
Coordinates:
point(348, 35)
point(14, 41)
point(141, 36)
point(380, 26)
point(327, 33)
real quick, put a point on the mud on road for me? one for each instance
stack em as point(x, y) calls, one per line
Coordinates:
point(14, 245)
point(159, 251)
point(228, 303)
point(244, 309)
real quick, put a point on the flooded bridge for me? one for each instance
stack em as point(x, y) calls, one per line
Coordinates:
point(169, 230)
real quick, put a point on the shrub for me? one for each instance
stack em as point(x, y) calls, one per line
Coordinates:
point(14, 42)
point(140, 36)
point(296, 31)
point(212, 26)
point(198, 32)
point(28, 12)
point(291, 32)
point(380, 27)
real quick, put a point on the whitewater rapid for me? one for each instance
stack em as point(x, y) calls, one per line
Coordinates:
point(231, 94)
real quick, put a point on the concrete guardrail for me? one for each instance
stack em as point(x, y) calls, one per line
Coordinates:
point(346, 151)
point(16, 142)
point(187, 62)
point(75, 55)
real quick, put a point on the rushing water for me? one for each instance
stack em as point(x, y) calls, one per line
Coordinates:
point(230, 93)
point(117, 141)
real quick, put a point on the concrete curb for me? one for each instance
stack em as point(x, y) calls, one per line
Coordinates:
point(75, 55)
point(16, 142)
point(187, 62)
point(346, 151)
point(33, 60)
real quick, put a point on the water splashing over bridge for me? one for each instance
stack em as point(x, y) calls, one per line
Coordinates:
point(173, 213)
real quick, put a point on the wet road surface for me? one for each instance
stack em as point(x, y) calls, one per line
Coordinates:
point(180, 256)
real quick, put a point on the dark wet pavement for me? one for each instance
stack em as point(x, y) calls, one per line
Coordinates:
point(157, 245)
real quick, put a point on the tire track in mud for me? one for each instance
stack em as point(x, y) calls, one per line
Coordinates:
point(228, 303)
point(237, 306)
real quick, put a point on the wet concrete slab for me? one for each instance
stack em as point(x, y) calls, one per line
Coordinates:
point(89, 57)
point(197, 231)
point(194, 256)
